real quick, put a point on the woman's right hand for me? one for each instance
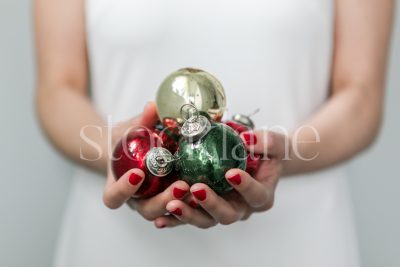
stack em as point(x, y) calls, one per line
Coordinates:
point(118, 192)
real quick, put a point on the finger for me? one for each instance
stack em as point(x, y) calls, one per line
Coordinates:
point(216, 206)
point(154, 207)
point(117, 192)
point(269, 172)
point(149, 116)
point(266, 142)
point(187, 214)
point(189, 199)
point(110, 176)
point(254, 192)
point(167, 221)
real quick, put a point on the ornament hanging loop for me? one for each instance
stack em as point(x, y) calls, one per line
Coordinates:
point(188, 111)
point(246, 119)
point(253, 113)
point(176, 156)
point(162, 160)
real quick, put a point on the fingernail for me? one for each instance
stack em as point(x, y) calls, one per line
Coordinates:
point(178, 193)
point(250, 138)
point(200, 194)
point(134, 179)
point(177, 212)
point(162, 226)
point(193, 204)
point(236, 179)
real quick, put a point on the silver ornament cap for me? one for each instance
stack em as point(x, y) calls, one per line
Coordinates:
point(159, 161)
point(243, 119)
point(195, 128)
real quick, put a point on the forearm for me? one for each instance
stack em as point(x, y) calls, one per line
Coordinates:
point(64, 113)
point(347, 123)
point(350, 119)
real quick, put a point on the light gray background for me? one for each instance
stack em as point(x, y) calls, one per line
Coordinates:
point(35, 180)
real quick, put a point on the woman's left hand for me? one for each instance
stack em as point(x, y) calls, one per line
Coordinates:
point(250, 194)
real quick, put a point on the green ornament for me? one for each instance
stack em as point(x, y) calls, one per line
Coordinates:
point(189, 86)
point(207, 151)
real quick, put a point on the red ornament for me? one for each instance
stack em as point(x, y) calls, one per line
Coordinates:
point(169, 136)
point(240, 124)
point(237, 127)
point(141, 149)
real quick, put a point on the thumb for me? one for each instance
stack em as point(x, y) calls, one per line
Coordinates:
point(268, 143)
point(149, 116)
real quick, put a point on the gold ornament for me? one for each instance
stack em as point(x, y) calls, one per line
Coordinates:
point(189, 86)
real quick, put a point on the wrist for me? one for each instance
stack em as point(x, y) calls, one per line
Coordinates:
point(288, 157)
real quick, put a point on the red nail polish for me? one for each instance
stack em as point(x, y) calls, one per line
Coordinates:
point(200, 194)
point(250, 138)
point(236, 179)
point(178, 193)
point(162, 226)
point(177, 212)
point(193, 204)
point(134, 179)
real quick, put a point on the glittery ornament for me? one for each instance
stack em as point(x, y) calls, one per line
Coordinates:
point(243, 123)
point(169, 136)
point(207, 151)
point(144, 149)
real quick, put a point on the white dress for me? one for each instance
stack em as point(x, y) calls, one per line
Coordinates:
point(274, 55)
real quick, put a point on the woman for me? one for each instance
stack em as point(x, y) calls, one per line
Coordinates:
point(318, 64)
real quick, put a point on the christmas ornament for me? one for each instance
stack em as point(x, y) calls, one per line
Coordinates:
point(144, 149)
point(189, 86)
point(169, 137)
point(242, 123)
point(207, 151)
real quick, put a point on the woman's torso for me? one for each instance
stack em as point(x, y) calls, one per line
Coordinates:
point(273, 55)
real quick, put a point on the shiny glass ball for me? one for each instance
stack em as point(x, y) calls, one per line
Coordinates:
point(209, 158)
point(131, 152)
point(189, 86)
